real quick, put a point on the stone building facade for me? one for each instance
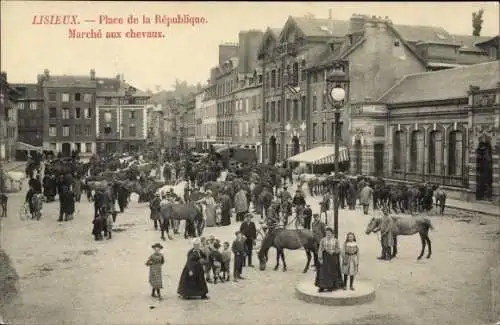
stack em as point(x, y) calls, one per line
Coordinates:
point(29, 115)
point(190, 123)
point(121, 117)
point(69, 113)
point(248, 113)
point(8, 119)
point(447, 133)
point(209, 124)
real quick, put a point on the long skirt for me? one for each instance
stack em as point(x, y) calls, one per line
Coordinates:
point(211, 216)
point(193, 285)
point(329, 275)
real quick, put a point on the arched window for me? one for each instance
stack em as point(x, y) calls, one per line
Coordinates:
point(295, 75)
point(416, 151)
point(455, 153)
point(435, 153)
point(398, 150)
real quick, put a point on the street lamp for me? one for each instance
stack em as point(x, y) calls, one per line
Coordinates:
point(338, 83)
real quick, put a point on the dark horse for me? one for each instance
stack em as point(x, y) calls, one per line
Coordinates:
point(4, 199)
point(189, 212)
point(293, 239)
point(440, 196)
point(406, 226)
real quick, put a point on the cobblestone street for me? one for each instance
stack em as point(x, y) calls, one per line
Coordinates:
point(66, 277)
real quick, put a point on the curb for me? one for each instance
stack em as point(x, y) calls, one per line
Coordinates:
point(307, 292)
point(497, 215)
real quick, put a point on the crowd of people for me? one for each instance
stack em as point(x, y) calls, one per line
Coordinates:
point(209, 261)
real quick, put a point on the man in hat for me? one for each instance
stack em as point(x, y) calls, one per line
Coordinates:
point(299, 201)
point(365, 197)
point(286, 203)
point(307, 216)
point(318, 227)
point(273, 219)
point(386, 238)
point(154, 207)
point(249, 230)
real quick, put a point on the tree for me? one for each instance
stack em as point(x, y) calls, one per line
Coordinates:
point(477, 22)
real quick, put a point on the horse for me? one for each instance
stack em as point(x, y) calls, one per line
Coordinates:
point(440, 196)
point(292, 239)
point(406, 226)
point(190, 212)
point(4, 199)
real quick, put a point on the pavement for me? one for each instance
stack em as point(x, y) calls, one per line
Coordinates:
point(68, 278)
point(486, 208)
point(12, 165)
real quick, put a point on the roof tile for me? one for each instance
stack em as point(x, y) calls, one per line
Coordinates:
point(314, 27)
point(70, 81)
point(443, 84)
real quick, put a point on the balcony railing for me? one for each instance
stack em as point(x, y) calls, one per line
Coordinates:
point(455, 181)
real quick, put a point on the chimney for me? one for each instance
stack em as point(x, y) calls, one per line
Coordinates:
point(357, 23)
point(330, 21)
point(92, 74)
point(46, 73)
point(227, 51)
point(118, 77)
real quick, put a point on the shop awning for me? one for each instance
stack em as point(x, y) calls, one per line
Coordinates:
point(28, 147)
point(321, 155)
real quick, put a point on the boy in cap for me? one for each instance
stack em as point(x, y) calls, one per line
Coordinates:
point(238, 249)
point(155, 261)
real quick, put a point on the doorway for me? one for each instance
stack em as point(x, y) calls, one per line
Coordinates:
point(484, 171)
point(295, 146)
point(359, 158)
point(272, 150)
point(66, 149)
point(378, 157)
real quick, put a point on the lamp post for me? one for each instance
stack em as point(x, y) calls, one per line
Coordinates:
point(337, 82)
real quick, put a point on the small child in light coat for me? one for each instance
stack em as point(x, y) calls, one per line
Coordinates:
point(226, 261)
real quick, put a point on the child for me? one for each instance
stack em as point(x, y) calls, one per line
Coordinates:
point(216, 261)
point(205, 248)
point(155, 262)
point(350, 259)
point(238, 249)
point(226, 261)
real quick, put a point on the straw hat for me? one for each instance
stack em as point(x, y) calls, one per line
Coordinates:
point(157, 245)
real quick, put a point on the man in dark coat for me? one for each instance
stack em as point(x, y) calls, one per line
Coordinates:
point(300, 202)
point(248, 230)
point(67, 204)
point(226, 206)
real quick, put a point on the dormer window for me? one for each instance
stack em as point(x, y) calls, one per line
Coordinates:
point(396, 43)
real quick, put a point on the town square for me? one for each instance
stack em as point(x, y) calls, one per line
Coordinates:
point(327, 167)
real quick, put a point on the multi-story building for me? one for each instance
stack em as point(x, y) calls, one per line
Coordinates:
point(224, 77)
point(121, 116)
point(247, 121)
point(155, 126)
point(170, 123)
point(69, 113)
point(29, 119)
point(379, 54)
point(8, 119)
point(198, 119)
point(209, 124)
point(189, 123)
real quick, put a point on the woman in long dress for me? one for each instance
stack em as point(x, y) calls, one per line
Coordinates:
point(192, 283)
point(328, 276)
point(210, 209)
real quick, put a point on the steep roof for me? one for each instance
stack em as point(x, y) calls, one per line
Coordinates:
point(443, 84)
point(317, 27)
point(112, 87)
point(414, 33)
point(70, 81)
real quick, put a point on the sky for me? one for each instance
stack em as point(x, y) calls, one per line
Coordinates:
point(185, 51)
